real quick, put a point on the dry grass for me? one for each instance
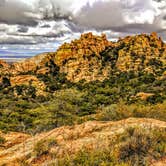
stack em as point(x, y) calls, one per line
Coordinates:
point(70, 140)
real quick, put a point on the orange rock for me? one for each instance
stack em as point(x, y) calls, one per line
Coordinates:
point(144, 96)
point(3, 64)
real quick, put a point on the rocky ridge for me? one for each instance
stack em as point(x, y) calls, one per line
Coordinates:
point(92, 58)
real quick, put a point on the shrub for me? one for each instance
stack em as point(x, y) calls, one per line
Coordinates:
point(2, 140)
point(121, 111)
point(139, 146)
point(43, 146)
point(89, 158)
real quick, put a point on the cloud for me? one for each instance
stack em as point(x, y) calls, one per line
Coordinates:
point(15, 11)
point(101, 15)
point(31, 11)
point(98, 14)
point(123, 15)
point(37, 21)
point(45, 31)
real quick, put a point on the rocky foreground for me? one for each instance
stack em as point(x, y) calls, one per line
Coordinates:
point(69, 141)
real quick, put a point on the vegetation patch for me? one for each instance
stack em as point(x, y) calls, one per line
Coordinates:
point(136, 146)
point(43, 147)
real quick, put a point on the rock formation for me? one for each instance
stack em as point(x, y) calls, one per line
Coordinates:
point(92, 58)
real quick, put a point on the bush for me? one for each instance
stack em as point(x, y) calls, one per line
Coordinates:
point(121, 111)
point(90, 158)
point(139, 146)
point(2, 140)
point(42, 147)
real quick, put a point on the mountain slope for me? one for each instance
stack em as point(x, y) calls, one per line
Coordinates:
point(90, 58)
point(85, 77)
point(94, 57)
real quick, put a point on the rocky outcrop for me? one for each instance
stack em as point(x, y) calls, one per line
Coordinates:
point(3, 68)
point(12, 138)
point(144, 96)
point(81, 58)
point(3, 64)
point(28, 80)
point(30, 65)
point(92, 58)
point(141, 52)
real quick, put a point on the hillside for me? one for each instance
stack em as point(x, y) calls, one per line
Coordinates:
point(68, 141)
point(83, 77)
point(75, 100)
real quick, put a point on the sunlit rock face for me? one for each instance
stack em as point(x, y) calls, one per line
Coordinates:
point(141, 52)
point(81, 58)
point(93, 57)
point(3, 64)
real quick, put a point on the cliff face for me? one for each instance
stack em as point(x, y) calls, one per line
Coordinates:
point(25, 73)
point(28, 80)
point(93, 58)
point(3, 68)
point(81, 58)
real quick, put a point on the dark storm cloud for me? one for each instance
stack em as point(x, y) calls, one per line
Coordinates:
point(138, 28)
point(123, 16)
point(29, 12)
point(15, 11)
point(22, 29)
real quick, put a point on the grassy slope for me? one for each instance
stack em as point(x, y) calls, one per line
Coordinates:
point(70, 140)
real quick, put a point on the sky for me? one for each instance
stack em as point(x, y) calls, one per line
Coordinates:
point(29, 27)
